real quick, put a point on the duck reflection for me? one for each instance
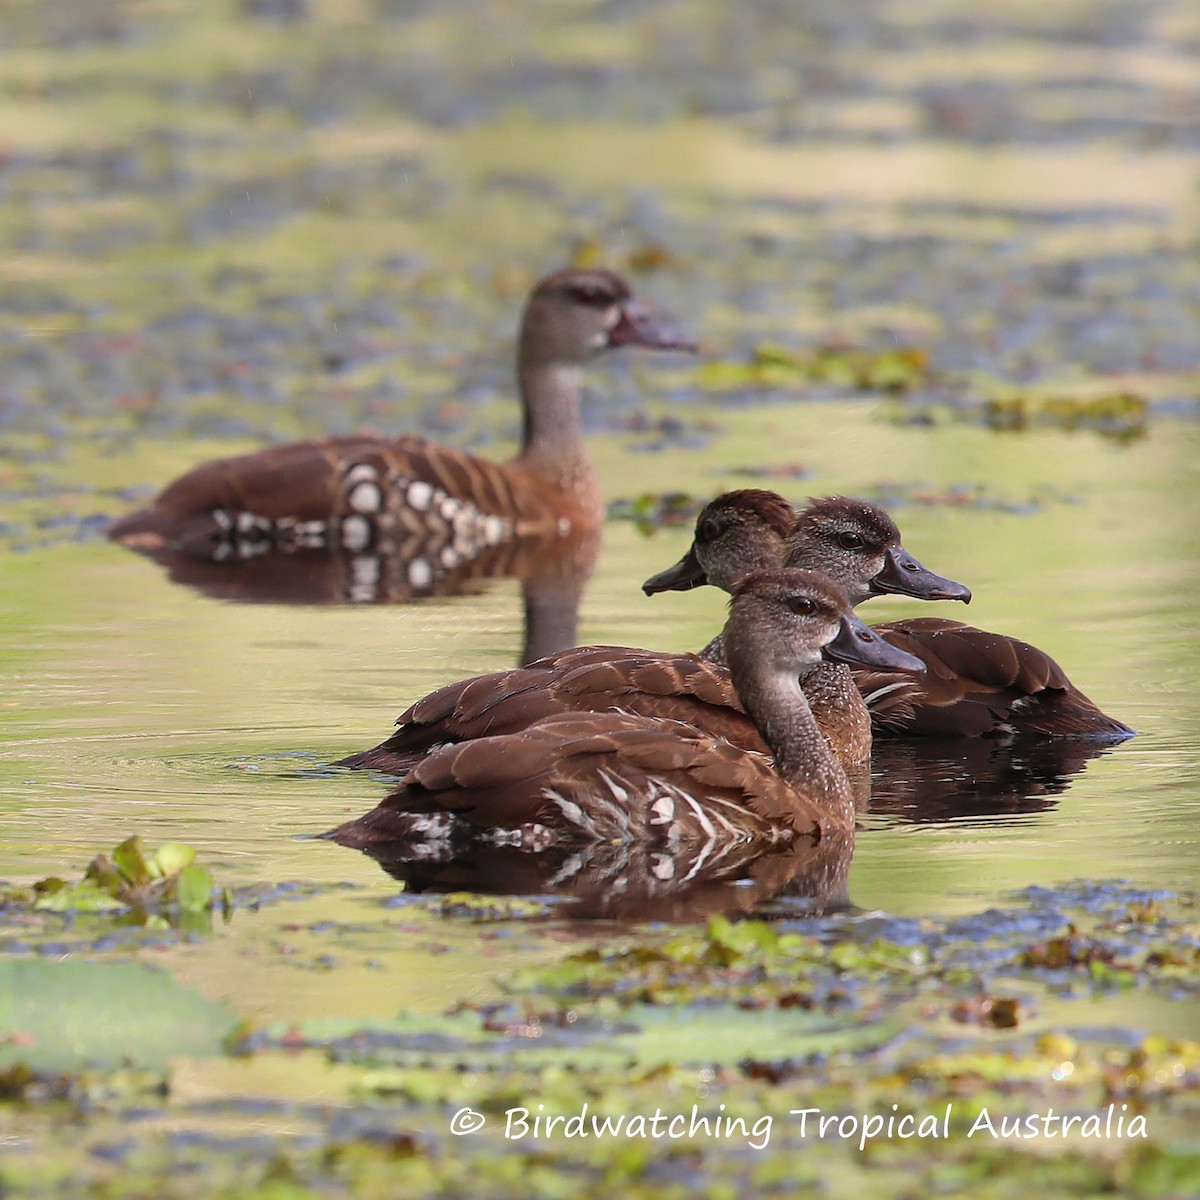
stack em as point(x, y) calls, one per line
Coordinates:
point(641, 882)
point(554, 572)
point(924, 780)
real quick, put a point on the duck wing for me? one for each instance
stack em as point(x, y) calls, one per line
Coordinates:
point(977, 684)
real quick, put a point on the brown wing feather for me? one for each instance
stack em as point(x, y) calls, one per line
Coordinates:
point(586, 679)
point(301, 479)
point(590, 776)
point(977, 683)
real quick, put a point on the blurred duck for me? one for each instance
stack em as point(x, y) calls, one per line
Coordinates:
point(359, 492)
point(620, 776)
point(976, 684)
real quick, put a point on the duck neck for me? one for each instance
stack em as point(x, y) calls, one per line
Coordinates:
point(552, 441)
point(840, 712)
point(776, 703)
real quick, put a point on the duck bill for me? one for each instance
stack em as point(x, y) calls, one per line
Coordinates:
point(639, 326)
point(904, 576)
point(858, 643)
point(687, 573)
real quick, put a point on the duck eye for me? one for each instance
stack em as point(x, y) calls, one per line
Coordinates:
point(850, 541)
point(802, 606)
point(590, 294)
point(708, 530)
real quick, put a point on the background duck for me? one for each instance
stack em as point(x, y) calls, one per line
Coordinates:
point(598, 776)
point(357, 492)
point(976, 684)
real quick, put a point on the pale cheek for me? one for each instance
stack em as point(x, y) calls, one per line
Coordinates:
point(612, 318)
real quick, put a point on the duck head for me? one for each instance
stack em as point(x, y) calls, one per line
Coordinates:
point(788, 620)
point(575, 313)
point(858, 544)
point(735, 534)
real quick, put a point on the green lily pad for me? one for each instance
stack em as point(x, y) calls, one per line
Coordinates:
point(171, 858)
point(63, 1016)
point(130, 859)
point(194, 889)
point(645, 1036)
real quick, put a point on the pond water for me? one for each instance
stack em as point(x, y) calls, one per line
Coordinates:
point(138, 704)
point(935, 255)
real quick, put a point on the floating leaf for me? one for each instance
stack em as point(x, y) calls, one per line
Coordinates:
point(654, 510)
point(587, 253)
point(646, 1036)
point(105, 876)
point(84, 896)
point(895, 369)
point(169, 880)
point(66, 1015)
point(171, 858)
point(651, 257)
point(130, 859)
point(194, 889)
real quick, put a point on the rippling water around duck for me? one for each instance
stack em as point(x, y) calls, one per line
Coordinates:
point(140, 704)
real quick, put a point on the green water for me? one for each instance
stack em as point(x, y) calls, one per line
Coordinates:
point(138, 705)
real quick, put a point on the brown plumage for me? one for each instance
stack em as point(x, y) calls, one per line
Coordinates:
point(362, 492)
point(735, 534)
point(595, 776)
point(977, 684)
point(582, 679)
point(852, 541)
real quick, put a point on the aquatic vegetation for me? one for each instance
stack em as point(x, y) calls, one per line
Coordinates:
point(760, 964)
point(68, 1015)
point(473, 907)
point(731, 1030)
point(843, 367)
point(236, 225)
point(976, 496)
point(657, 510)
point(1121, 416)
point(168, 887)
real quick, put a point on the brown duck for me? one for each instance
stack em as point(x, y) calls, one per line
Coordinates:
point(619, 776)
point(976, 684)
point(681, 686)
point(355, 493)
